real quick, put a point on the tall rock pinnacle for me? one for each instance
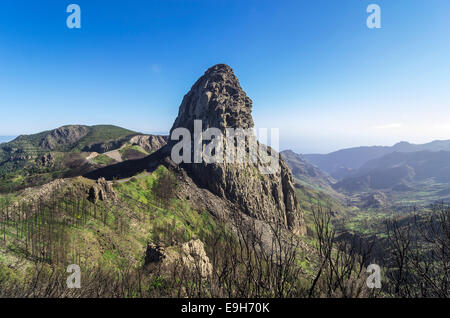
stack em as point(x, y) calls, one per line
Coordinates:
point(218, 100)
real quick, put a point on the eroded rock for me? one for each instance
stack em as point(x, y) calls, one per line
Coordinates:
point(102, 190)
point(189, 257)
point(149, 143)
point(64, 136)
point(218, 100)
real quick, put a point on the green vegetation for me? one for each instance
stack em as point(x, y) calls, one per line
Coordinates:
point(132, 152)
point(28, 161)
point(175, 217)
point(123, 151)
point(103, 159)
point(102, 133)
point(114, 235)
point(312, 198)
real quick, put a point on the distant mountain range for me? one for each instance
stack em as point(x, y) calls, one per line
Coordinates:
point(345, 162)
point(399, 170)
point(401, 175)
point(6, 138)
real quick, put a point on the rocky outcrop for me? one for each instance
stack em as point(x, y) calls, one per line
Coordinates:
point(47, 160)
point(105, 146)
point(189, 257)
point(149, 143)
point(218, 100)
point(194, 258)
point(63, 136)
point(102, 190)
point(44, 192)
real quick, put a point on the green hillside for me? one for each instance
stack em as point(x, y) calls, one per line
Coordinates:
point(36, 159)
point(103, 133)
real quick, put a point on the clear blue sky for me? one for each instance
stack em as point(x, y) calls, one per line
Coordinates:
point(312, 68)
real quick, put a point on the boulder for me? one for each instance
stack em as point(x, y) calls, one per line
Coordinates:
point(189, 257)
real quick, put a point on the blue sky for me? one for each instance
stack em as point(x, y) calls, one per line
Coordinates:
point(312, 68)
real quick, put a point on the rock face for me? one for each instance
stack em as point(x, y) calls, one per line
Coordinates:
point(64, 136)
point(47, 160)
point(218, 100)
point(41, 192)
point(105, 146)
point(102, 190)
point(193, 257)
point(149, 143)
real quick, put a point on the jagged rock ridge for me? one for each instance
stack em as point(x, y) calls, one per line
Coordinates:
point(149, 143)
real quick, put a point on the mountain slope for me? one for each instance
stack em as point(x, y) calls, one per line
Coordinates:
point(218, 100)
point(404, 177)
point(306, 172)
point(401, 168)
point(68, 151)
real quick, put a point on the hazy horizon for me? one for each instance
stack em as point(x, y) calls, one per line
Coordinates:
point(312, 69)
point(284, 144)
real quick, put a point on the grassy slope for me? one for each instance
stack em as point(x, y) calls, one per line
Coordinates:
point(103, 159)
point(101, 133)
point(312, 198)
point(118, 235)
point(129, 147)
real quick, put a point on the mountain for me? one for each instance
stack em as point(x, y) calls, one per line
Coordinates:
point(343, 163)
point(218, 101)
point(305, 172)
point(314, 187)
point(411, 176)
point(70, 150)
point(379, 178)
point(170, 227)
point(426, 164)
point(68, 138)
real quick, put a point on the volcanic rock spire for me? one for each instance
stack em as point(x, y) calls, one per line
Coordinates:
point(218, 100)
